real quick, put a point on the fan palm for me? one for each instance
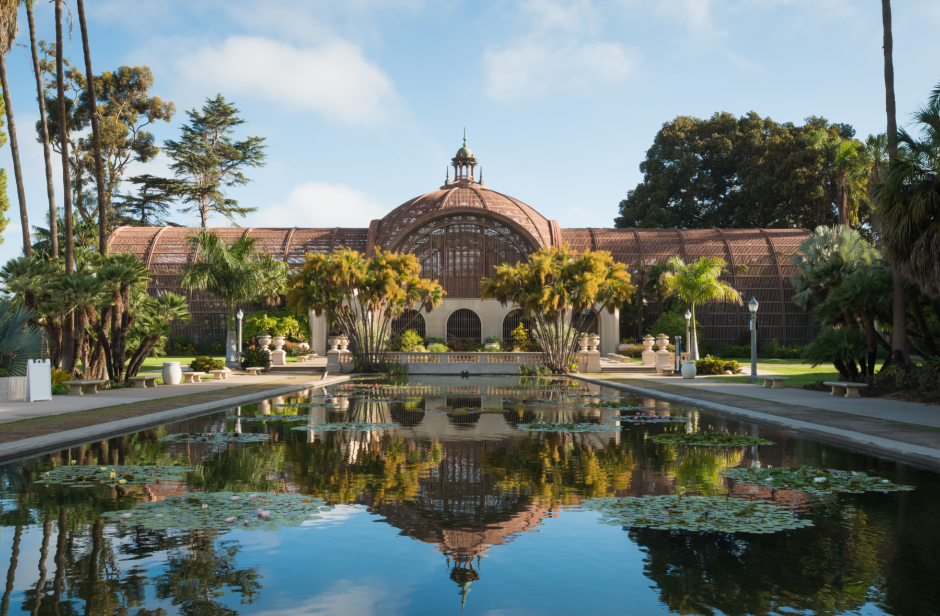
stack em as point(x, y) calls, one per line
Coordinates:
point(825, 259)
point(234, 274)
point(908, 201)
point(20, 339)
point(696, 283)
point(81, 293)
point(153, 324)
point(120, 272)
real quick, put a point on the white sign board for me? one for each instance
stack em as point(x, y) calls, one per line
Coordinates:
point(38, 380)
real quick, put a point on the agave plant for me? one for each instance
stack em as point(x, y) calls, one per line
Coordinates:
point(20, 340)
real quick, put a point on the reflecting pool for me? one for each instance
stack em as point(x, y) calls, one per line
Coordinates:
point(448, 501)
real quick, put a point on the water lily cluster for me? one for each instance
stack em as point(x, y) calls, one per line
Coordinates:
point(696, 513)
point(223, 510)
point(648, 418)
point(814, 480)
point(215, 437)
point(710, 439)
point(113, 476)
point(543, 426)
point(347, 426)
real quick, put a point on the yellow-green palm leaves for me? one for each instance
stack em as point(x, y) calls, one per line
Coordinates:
point(697, 283)
point(363, 295)
point(556, 288)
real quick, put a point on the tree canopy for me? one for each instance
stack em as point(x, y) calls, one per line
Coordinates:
point(742, 172)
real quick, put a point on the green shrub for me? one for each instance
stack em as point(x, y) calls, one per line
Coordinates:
point(395, 369)
point(766, 350)
point(438, 348)
point(181, 345)
point(59, 389)
point(736, 350)
point(4, 373)
point(206, 363)
point(464, 345)
point(527, 370)
point(432, 340)
point(256, 358)
point(493, 339)
point(672, 324)
point(407, 342)
point(715, 365)
point(840, 347)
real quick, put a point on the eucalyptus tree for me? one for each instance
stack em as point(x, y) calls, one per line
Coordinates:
point(362, 296)
point(697, 283)
point(8, 31)
point(233, 274)
point(558, 289)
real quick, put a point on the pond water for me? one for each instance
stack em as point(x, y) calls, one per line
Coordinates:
point(451, 507)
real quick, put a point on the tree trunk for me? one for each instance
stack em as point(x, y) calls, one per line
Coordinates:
point(43, 552)
point(46, 149)
point(899, 351)
point(693, 343)
point(59, 560)
point(11, 572)
point(15, 151)
point(868, 325)
point(64, 143)
point(97, 536)
point(889, 80)
point(103, 201)
point(924, 328)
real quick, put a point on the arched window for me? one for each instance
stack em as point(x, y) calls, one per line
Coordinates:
point(409, 319)
point(591, 323)
point(464, 324)
point(512, 321)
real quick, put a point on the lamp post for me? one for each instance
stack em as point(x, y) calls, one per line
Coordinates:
point(688, 336)
point(240, 316)
point(752, 306)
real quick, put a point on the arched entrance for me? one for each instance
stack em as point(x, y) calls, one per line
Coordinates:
point(464, 324)
point(409, 319)
point(591, 323)
point(512, 321)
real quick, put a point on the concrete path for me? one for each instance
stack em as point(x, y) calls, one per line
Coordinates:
point(876, 408)
point(14, 411)
point(745, 368)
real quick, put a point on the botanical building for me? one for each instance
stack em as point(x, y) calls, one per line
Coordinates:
point(462, 230)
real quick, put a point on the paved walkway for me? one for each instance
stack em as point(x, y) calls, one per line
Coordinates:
point(904, 430)
point(14, 411)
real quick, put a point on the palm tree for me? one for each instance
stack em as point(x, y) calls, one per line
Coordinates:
point(8, 29)
point(46, 149)
point(695, 283)
point(96, 135)
point(851, 176)
point(153, 327)
point(120, 272)
point(899, 352)
point(234, 274)
point(908, 201)
point(81, 293)
point(63, 138)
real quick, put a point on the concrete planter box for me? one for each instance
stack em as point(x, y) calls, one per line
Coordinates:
point(12, 388)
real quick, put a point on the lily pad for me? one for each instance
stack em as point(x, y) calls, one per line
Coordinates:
point(644, 418)
point(222, 510)
point(696, 513)
point(114, 476)
point(215, 437)
point(277, 417)
point(543, 426)
point(710, 439)
point(618, 405)
point(814, 480)
point(347, 426)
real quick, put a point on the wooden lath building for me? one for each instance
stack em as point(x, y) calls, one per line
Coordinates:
point(463, 230)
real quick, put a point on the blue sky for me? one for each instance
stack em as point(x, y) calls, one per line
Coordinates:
point(363, 102)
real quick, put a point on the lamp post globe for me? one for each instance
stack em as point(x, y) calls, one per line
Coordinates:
point(688, 337)
point(752, 307)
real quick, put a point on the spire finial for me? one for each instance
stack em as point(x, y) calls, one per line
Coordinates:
point(481, 175)
point(447, 177)
point(464, 136)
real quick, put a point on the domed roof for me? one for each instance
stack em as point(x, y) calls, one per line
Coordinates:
point(460, 196)
point(464, 152)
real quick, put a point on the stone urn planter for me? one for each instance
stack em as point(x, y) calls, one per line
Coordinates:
point(688, 369)
point(491, 346)
point(662, 341)
point(583, 343)
point(264, 340)
point(172, 374)
point(334, 342)
point(648, 354)
point(278, 342)
point(343, 343)
point(593, 342)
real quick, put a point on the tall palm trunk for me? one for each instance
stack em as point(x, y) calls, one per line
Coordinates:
point(46, 149)
point(15, 151)
point(103, 204)
point(59, 559)
point(43, 552)
point(63, 138)
point(11, 572)
point(899, 352)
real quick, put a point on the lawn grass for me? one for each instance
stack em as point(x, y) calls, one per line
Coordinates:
point(800, 372)
point(156, 365)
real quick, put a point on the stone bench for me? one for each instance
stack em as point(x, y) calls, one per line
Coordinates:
point(665, 370)
point(774, 382)
point(75, 387)
point(254, 371)
point(146, 380)
point(848, 390)
point(193, 377)
point(220, 375)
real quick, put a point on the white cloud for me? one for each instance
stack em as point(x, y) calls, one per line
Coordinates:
point(562, 14)
point(535, 67)
point(695, 14)
point(320, 205)
point(334, 79)
point(343, 598)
